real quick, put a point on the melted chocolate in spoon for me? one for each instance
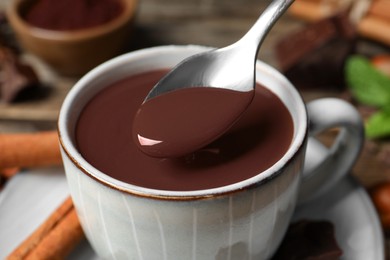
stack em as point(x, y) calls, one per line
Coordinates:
point(185, 120)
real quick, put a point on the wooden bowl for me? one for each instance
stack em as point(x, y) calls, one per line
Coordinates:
point(73, 53)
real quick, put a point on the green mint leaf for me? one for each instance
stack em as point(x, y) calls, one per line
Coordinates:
point(368, 85)
point(378, 125)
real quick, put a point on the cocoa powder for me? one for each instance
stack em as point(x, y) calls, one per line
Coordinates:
point(66, 15)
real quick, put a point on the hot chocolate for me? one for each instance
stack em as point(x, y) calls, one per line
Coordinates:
point(103, 135)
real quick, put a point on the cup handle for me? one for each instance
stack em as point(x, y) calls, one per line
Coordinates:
point(324, 167)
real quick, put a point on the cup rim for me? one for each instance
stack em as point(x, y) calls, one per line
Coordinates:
point(76, 158)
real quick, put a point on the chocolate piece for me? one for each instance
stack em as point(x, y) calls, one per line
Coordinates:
point(315, 55)
point(16, 77)
point(314, 240)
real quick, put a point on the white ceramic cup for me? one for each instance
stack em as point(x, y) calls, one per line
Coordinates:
point(244, 220)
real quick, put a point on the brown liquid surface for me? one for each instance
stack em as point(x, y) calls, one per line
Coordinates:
point(104, 137)
point(185, 120)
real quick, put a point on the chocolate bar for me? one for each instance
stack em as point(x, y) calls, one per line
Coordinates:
point(16, 77)
point(17, 80)
point(314, 56)
point(314, 240)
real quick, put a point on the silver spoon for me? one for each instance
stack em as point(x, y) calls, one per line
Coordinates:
point(231, 67)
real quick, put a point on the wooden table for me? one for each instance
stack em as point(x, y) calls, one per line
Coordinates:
point(205, 22)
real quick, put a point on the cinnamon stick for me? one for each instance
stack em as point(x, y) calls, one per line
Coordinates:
point(309, 11)
point(29, 150)
point(375, 28)
point(55, 238)
point(372, 18)
point(315, 10)
point(7, 173)
point(380, 195)
point(380, 9)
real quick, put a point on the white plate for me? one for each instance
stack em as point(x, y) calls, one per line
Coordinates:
point(30, 197)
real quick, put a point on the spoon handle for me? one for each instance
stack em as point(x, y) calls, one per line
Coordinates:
point(264, 23)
